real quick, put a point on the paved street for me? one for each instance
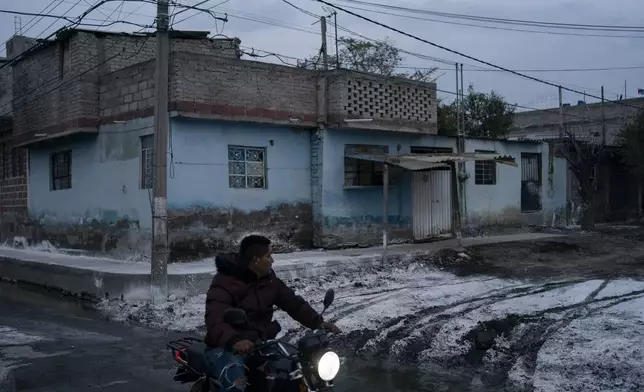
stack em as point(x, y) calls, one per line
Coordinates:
point(55, 345)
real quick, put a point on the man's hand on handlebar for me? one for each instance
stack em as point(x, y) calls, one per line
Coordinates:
point(330, 327)
point(243, 347)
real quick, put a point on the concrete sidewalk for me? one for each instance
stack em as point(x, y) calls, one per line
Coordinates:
point(97, 277)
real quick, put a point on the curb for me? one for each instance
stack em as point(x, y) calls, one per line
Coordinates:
point(95, 285)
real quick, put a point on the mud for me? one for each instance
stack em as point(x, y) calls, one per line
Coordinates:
point(537, 316)
point(607, 253)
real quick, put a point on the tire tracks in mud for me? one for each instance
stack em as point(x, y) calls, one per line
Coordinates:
point(413, 333)
point(393, 293)
point(524, 348)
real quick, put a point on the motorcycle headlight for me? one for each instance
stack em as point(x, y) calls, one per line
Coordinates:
point(328, 366)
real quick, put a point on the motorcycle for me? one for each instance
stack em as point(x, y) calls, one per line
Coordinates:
point(274, 365)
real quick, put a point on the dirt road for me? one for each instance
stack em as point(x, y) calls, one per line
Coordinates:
point(610, 252)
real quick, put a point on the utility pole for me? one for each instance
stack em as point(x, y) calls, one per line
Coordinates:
point(325, 52)
point(462, 109)
point(458, 110)
point(561, 115)
point(603, 120)
point(160, 250)
point(337, 51)
point(462, 205)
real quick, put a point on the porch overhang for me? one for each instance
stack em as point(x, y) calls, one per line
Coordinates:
point(416, 162)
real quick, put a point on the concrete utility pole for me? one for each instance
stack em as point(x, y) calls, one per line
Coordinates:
point(458, 109)
point(325, 52)
point(385, 212)
point(561, 116)
point(461, 165)
point(603, 120)
point(337, 51)
point(160, 249)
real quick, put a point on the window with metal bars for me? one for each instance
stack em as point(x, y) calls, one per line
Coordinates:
point(247, 167)
point(485, 171)
point(61, 170)
point(147, 162)
point(360, 172)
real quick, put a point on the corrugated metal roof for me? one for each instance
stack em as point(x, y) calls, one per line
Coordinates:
point(430, 161)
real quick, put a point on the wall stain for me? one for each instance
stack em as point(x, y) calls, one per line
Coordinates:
point(363, 231)
point(200, 232)
point(121, 237)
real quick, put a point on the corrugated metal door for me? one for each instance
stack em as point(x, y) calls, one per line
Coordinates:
point(431, 203)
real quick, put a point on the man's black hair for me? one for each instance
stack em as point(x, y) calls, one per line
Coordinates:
point(253, 246)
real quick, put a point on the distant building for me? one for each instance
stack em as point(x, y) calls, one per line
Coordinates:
point(618, 190)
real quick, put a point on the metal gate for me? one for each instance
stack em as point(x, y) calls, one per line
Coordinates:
point(431, 203)
point(530, 182)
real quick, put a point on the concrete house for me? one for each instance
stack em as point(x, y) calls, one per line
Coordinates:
point(253, 147)
point(618, 191)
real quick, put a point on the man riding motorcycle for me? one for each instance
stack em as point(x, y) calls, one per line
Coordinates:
point(247, 281)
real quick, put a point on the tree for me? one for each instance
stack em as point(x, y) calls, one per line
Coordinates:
point(485, 115)
point(447, 119)
point(378, 57)
point(583, 154)
point(631, 145)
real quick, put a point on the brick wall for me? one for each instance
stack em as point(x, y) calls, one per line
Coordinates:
point(13, 179)
point(127, 93)
point(231, 89)
point(6, 92)
point(56, 88)
point(242, 90)
point(579, 119)
point(390, 103)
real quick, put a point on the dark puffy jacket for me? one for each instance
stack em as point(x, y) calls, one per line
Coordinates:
point(236, 287)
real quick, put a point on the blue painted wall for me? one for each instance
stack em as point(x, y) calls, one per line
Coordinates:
point(105, 178)
point(353, 215)
point(207, 214)
point(199, 165)
point(105, 186)
point(500, 204)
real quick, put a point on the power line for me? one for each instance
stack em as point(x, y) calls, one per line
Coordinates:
point(543, 69)
point(559, 25)
point(99, 10)
point(415, 54)
point(196, 7)
point(73, 20)
point(54, 22)
point(27, 27)
point(496, 27)
point(466, 55)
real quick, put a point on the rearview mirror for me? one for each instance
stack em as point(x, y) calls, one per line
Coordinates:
point(236, 317)
point(328, 298)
